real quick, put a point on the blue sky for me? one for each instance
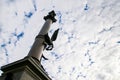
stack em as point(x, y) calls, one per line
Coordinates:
point(87, 47)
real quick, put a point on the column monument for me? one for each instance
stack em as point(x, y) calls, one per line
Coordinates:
point(30, 68)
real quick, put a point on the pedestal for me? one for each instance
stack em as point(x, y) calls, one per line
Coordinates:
point(24, 69)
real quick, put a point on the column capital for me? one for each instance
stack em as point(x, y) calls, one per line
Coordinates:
point(51, 16)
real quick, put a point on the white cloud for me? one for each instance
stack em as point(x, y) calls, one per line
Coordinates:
point(88, 42)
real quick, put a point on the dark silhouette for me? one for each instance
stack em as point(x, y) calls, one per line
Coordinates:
point(9, 76)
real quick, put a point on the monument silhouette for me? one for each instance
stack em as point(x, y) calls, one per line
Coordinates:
point(30, 68)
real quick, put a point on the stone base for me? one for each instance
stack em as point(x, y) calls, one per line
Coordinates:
point(24, 69)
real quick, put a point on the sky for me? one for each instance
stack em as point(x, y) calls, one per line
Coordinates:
point(88, 43)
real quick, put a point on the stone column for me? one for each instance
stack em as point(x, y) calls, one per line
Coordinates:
point(38, 45)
